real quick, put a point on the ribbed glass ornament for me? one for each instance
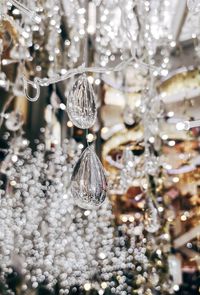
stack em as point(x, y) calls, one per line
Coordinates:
point(88, 182)
point(81, 104)
point(151, 217)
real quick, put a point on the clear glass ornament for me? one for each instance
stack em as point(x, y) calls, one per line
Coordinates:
point(81, 104)
point(88, 182)
point(151, 217)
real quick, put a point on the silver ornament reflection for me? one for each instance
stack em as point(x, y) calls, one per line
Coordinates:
point(81, 104)
point(151, 217)
point(88, 182)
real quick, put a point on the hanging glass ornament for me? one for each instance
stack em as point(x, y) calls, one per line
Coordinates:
point(88, 182)
point(81, 104)
point(151, 217)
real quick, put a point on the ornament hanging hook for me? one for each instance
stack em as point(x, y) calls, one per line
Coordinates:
point(35, 86)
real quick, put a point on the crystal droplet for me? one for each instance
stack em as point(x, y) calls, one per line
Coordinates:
point(151, 217)
point(81, 104)
point(88, 182)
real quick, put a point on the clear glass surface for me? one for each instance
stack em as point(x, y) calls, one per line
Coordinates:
point(88, 182)
point(81, 104)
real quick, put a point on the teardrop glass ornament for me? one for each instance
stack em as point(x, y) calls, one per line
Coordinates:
point(151, 217)
point(81, 104)
point(88, 183)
